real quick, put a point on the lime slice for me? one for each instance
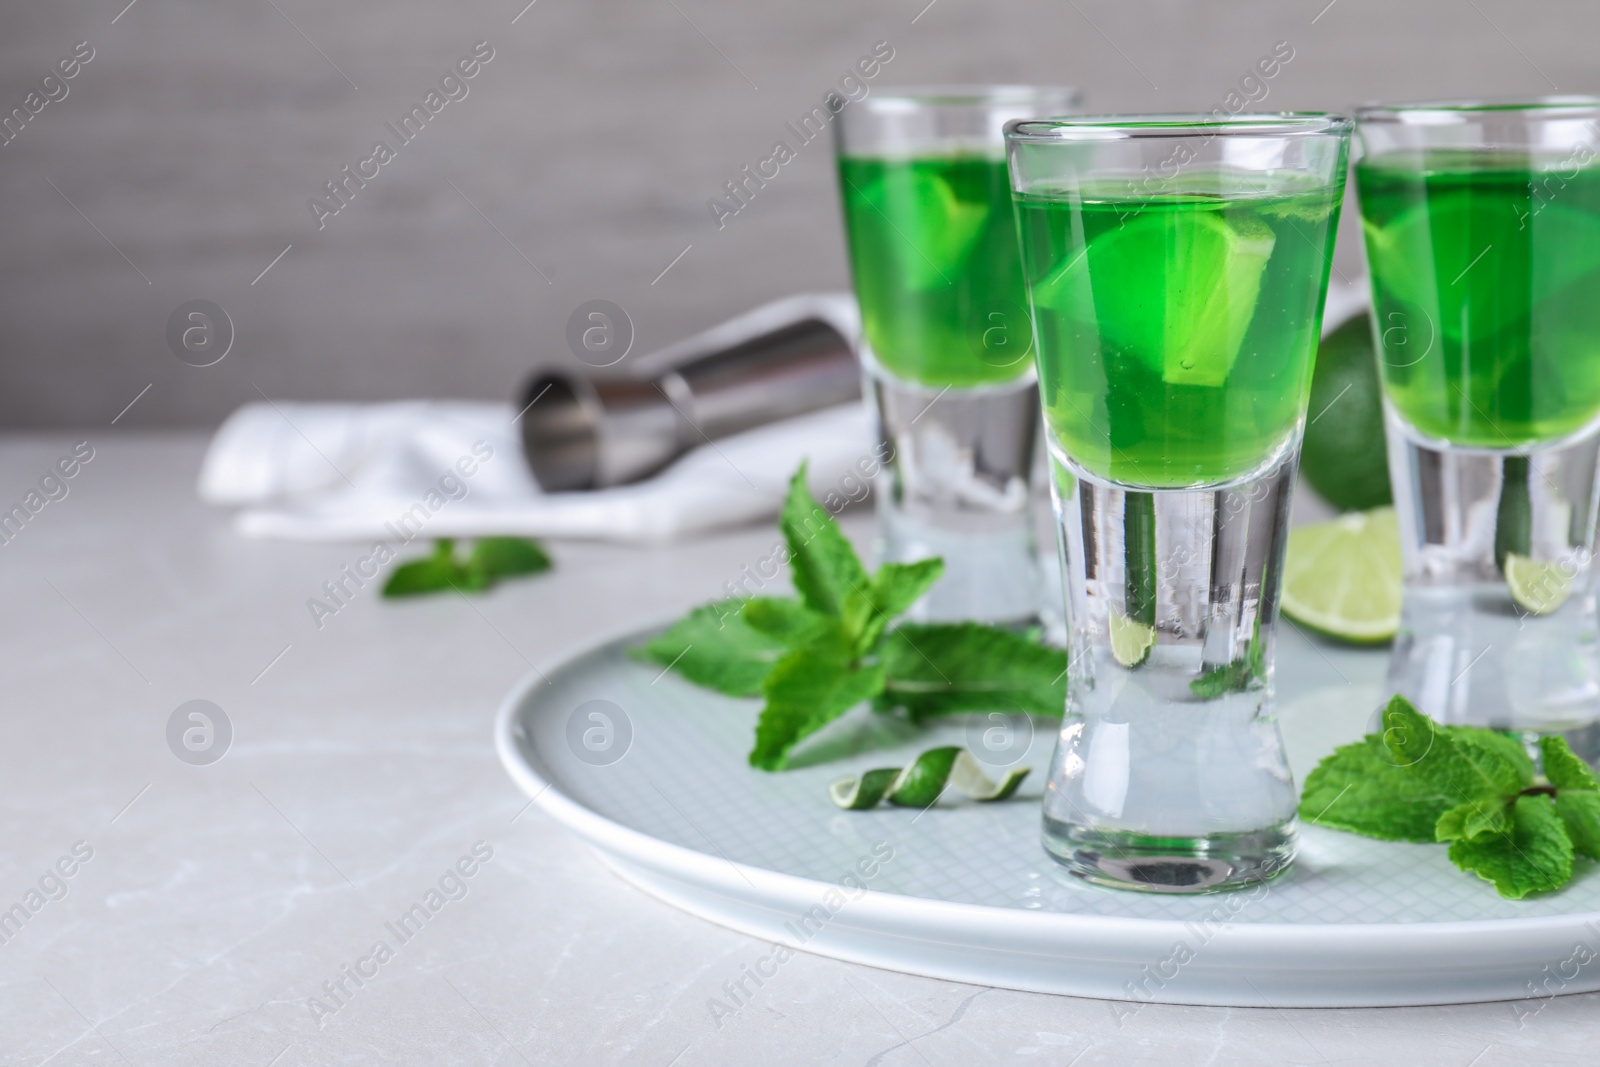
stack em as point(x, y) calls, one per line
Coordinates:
point(1342, 578)
point(1177, 288)
point(1131, 640)
point(1538, 586)
point(1429, 256)
point(933, 228)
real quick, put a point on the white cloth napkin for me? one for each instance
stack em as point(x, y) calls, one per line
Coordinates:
point(354, 472)
point(347, 472)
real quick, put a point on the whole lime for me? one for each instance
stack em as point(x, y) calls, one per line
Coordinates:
point(1344, 457)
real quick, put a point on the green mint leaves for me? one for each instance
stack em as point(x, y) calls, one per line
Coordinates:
point(815, 656)
point(1474, 788)
point(491, 559)
point(960, 667)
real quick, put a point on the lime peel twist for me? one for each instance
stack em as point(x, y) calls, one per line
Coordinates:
point(923, 781)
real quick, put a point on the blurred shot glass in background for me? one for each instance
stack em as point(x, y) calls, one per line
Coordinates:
point(1482, 224)
point(1177, 267)
point(947, 347)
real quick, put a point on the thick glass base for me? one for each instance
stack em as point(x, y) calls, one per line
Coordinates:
point(1121, 859)
point(958, 485)
point(1170, 774)
point(1498, 623)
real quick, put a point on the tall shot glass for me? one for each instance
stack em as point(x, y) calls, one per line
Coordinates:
point(1482, 224)
point(947, 352)
point(1176, 268)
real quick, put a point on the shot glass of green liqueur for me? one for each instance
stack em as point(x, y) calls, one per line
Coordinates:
point(947, 348)
point(1482, 226)
point(1176, 269)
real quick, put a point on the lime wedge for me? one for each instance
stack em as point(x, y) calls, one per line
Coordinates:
point(923, 782)
point(1538, 586)
point(933, 228)
point(1131, 640)
point(1177, 288)
point(1429, 256)
point(1342, 578)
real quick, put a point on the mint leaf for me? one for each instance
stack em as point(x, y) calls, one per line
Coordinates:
point(1232, 677)
point(1563, 767)
point(896, 586)
point(1577, 796)
point(784, 618)
point(432, 574)
point(1412, 738)
point(1534, 858)
point(504, 557)
point(1580, 814)
point(1474, 819)
point(810, 687)
point(1359, 788)
point(824, 566)
point(1505, 744)
point(1462, 762)
point(1475, 788)
point(1500, 765)
point(958, 667)
point(715, 647)
point(492, 559)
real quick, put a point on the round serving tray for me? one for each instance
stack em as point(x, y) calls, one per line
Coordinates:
point(658, 785)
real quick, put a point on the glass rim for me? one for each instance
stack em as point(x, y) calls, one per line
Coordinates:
point(1458, 112)
point(1196, 124)
point(967, 95)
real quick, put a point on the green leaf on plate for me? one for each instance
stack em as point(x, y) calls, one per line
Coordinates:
point(714, 646)
point(947, 668)
point(1580, 814)
point(1474, 819)
point(824, 566)
point(1564, 769)
point(1360, 788)
point(1534, 858)
point(785, 619)
point(810, 687)
point(896, 586)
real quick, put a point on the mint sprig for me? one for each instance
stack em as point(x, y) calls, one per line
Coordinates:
point(491, 559)
point(1476, 789)
point(815, 656)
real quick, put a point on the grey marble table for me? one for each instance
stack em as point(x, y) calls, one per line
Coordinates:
point(177, 913)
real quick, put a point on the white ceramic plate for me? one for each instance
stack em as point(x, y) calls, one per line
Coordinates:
point(965, 892)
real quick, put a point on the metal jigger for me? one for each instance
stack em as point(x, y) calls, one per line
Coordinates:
point(783, 359)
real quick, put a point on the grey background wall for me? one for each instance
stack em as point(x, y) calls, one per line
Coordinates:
point(577, 167)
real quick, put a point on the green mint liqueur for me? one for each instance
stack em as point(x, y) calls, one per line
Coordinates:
point(1486, 290)
point(934, 251)
point(1176, 331)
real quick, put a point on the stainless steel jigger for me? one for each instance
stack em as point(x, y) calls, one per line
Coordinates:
point(783, 359)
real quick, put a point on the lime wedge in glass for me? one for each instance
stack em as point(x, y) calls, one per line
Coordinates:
point(1342, 578)
point(1131, 640)
point(932, 228)
point(1538, 586)
point(1175, 288)
point(1427, 255)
